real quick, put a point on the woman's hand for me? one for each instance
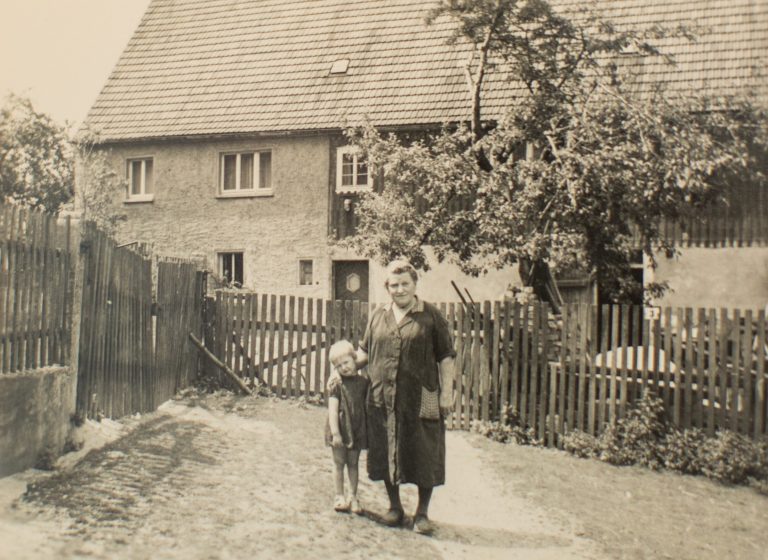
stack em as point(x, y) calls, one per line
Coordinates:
point(446, 401)
point(335, 377)
point(336, 441)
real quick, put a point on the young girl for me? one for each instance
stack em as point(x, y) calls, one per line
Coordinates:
point(345, 430)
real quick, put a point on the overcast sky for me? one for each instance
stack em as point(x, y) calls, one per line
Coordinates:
point(60, 52)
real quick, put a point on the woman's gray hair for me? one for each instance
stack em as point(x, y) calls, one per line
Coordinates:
point(401, 266)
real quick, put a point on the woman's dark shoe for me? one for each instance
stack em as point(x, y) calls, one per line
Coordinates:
point(422, 525)
point(393, 517)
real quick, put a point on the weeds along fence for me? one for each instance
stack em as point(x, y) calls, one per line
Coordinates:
point(581, 370)
point(134, 354)
point(36, 285)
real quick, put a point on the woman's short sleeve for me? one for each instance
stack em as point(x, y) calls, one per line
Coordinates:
point(443, 340)
point(365, 342)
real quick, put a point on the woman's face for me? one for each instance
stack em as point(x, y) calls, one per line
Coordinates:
point(402, 289)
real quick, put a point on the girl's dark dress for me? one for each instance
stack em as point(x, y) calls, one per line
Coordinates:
point(351, 392)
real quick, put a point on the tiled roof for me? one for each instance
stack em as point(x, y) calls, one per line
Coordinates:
point(209, 67)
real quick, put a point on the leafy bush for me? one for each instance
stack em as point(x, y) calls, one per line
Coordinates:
point(733, 458)
point(682, 450)
point(581, 444)
point(509, 429)
point(635, 439)
point(643, 438)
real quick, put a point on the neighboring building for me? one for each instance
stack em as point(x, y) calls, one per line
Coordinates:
point(226, 119)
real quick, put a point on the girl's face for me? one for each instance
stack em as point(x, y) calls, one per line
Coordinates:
point(345, 365)
point(402, 289)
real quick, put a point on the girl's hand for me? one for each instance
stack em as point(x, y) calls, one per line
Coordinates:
point(336, 441)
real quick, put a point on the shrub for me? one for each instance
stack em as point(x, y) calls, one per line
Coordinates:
point(733, 458)
point(682, 450)
point(508, 429)
point(581, 444)
point(635, 439)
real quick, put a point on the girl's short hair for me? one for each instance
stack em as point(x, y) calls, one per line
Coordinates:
point(401, 266)
point(339, 349)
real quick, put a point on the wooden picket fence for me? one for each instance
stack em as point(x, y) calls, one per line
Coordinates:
point(281, 340)
point(708, 366)
point(35, 289)
point(581, 370)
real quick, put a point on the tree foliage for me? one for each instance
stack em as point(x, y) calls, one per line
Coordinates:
point(36, 160)
point(606, 159)
point(98, 185)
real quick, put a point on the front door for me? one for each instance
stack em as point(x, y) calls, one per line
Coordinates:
point(350, 280)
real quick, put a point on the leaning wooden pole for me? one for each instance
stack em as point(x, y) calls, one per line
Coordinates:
point(221, 365)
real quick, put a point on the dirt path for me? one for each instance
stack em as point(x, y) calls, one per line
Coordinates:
point(229, 477)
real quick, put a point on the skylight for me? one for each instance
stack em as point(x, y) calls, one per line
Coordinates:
point(340, 66)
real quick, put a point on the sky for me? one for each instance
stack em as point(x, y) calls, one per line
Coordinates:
point(59, 53)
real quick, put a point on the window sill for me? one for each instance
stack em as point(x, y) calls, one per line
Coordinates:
point(139, 199)
point(353, 190)
point(247, 194)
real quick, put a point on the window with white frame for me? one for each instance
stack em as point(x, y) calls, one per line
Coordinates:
point(306, 272)
point(245, 173)
point(352, 173)
point(231, 268)
point(141, 187)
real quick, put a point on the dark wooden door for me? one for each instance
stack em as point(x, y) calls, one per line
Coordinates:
point(350, 280)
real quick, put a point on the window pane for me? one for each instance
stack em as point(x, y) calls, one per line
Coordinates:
point(226, 267)
point(148, 182)
point(305, 273)
point(238, 258)
point(362, 174)
point(136, 177)
point(246, 171)
point(347, 169)
point(265, 170)
point(232, 267)
point(229, 163)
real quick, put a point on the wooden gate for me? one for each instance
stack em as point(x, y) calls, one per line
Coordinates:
point(127, 363)
point(180, 296)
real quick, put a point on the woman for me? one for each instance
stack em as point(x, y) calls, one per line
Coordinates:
point(409, 352)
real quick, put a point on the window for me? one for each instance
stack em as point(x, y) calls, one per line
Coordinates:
point(231, 268)
point(352, 172)
point(245, 174)
point(305, 272)
point(141, 186)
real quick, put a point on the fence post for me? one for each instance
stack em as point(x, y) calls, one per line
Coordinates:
point(77, 251)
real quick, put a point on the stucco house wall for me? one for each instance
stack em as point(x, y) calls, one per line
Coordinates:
point(732, 277)
point(188, 218)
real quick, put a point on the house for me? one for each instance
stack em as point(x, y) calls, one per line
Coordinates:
point(226, 119)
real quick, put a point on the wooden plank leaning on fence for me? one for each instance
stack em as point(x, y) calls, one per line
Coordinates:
point(218, 363)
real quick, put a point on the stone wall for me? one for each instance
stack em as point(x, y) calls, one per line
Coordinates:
point(35, 416)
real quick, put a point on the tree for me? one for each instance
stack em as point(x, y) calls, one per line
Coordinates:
point(98, 185)
point(582, 165)
point(36, 164)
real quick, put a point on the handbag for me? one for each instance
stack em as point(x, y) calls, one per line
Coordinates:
point(429, 408)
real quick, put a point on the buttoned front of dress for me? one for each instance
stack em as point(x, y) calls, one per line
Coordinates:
point(402, 364)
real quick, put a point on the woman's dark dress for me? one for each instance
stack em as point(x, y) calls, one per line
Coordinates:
point(406, 442)
point(351, 392)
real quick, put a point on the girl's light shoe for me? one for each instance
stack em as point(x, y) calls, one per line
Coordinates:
point(355, 507)
point(340, 504)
